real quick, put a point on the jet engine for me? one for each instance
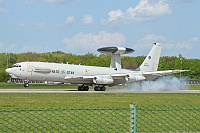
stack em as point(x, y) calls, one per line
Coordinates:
point(103, 80)
point(133, 78)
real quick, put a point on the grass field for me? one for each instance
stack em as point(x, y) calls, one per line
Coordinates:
point(32, 100)
point(37, 120)
point(93, 99)
point(45, 86)
point(89, 99)
point(36, 86)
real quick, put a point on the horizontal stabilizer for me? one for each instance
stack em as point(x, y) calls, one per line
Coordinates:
point(151, 75)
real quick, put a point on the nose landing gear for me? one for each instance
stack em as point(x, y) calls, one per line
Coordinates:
point(26, 83)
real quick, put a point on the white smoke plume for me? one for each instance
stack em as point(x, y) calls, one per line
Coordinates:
point(167, 83)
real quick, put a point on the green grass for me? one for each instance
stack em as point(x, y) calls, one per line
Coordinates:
point(39, 112)
point(62, 86)
point(194, 87)
point(31, 100)
point(36, 86)
point(66, 120)
point(88, 99)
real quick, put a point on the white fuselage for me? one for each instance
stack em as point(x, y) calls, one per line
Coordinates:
point(56, 72)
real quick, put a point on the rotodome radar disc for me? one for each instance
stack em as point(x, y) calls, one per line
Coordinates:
point(115, 50)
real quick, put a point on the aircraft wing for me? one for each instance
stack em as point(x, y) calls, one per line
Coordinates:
point(103, 79)
point(80, 79)
point(119, 75)
point(149, 75)
point(91, 77)
point(118, 78)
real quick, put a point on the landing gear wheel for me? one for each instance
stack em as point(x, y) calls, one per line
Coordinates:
point(103, 88)
point(96, 88)
point(26, 84)
point(83, 88)
point(80, 88)
point(86, 88)
point(99, 88)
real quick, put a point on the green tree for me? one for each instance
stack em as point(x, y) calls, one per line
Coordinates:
point(165, 63)
point(4, 77)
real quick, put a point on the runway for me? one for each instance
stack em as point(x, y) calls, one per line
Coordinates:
point(90, 91)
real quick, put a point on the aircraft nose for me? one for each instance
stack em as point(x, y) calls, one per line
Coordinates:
point(8, 70)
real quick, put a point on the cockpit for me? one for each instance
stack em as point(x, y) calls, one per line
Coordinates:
point(16, 65)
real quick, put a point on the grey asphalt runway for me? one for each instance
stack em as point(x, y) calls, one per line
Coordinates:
point(90, 91)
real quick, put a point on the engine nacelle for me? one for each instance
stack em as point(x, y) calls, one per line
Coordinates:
point(133, 78)
point(103, 80)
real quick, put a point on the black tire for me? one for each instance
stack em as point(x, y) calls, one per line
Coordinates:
point(99, 88)
point(103, 88)
point(26, 85)
point(80, 88)
point(96, 88)
point(85, 88)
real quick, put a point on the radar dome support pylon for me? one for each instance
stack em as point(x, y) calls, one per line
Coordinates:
point(115, 55)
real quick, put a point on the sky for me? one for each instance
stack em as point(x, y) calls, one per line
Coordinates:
point(83, 26)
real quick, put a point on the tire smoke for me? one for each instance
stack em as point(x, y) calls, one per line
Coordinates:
point(166, 83)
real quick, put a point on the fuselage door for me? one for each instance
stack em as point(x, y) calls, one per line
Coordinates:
point(29, 67)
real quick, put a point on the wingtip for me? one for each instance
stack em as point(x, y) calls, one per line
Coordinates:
point(180, 71)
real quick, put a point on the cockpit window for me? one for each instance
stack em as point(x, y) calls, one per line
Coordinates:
point(16, 65)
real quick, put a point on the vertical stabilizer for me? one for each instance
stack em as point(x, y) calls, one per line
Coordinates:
point(151, 62)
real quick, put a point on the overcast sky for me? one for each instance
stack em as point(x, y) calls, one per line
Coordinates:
point(82, 26)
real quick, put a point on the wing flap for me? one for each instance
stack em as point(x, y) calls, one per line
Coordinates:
point(79, 77)
point(119, 75)
point(114, 76)
point(90, 79)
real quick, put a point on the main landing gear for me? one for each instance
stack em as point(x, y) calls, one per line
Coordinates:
point(83, 88)
point(100, 88)
point(96, 88)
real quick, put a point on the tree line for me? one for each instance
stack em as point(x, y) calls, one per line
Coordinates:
point(128, 62)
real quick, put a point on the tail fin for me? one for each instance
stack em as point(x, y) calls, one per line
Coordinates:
point(151, 62)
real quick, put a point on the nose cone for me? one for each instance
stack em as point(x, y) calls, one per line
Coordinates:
point(9, 70)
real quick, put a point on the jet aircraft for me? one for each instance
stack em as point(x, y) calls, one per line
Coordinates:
point(93, 75)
